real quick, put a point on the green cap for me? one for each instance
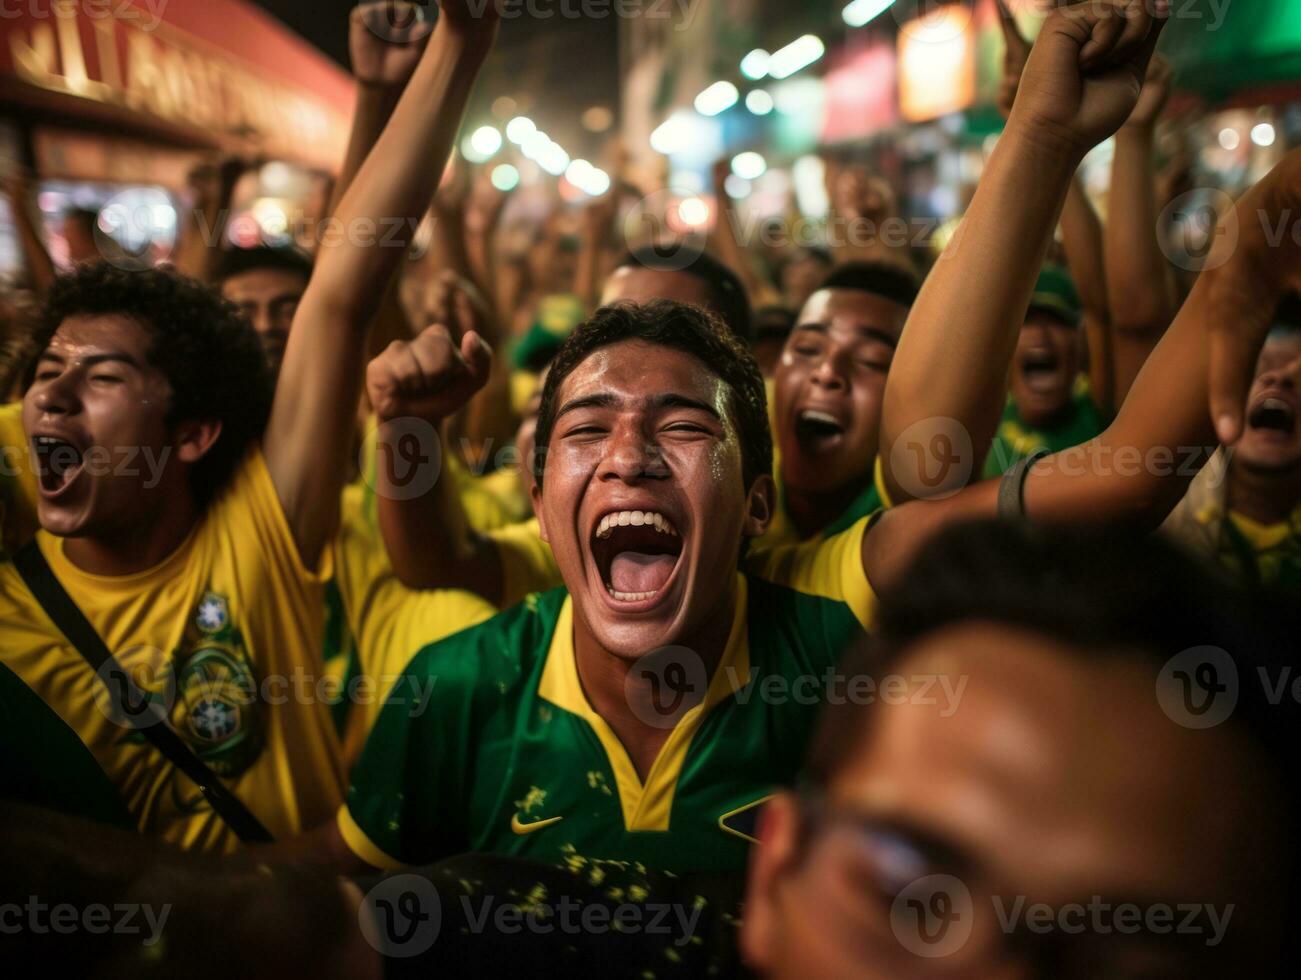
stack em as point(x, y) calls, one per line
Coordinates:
point(1054, 293)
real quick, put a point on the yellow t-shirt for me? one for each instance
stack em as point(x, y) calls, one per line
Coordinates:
point(389, 622)
point(227, 631)
point(17, 482)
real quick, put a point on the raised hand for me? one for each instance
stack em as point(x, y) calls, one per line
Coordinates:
point(471, 20)
point(1155, 94)
point(385, 40)
point(1086, 70)
point(1016, 52)
point(860, 195)
point(428, 378)
point(1254, 263)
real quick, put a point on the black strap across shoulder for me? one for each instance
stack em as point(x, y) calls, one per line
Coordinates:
point(70, 620)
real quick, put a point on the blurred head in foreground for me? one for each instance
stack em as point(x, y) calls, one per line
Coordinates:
point(1066, 765)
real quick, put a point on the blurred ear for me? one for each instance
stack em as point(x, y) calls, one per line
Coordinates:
point(771, 860)
point(535, 495)
point(194, 439)
point(760, 504)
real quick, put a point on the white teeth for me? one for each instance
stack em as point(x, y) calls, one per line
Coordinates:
point(815, 416)
point(634, 518)
point(628, 596)
point(1276, 403)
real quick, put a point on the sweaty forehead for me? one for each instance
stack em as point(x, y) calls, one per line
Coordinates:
point(854, 310)
point(634, 370)
point(86, 334)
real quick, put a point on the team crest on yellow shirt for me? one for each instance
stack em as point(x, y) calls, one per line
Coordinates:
point(217, 710)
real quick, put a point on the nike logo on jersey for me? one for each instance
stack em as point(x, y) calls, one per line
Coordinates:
point(521, 828)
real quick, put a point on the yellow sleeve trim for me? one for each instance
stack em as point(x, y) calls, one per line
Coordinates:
point(362, 846)
point(831, 568)
point(878, 477)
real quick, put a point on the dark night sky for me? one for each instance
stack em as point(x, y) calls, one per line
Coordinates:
point(560, 65)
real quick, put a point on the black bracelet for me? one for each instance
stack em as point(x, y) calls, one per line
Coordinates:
point(1011, 491)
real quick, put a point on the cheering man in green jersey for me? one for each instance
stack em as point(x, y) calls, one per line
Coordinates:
point(644, 712)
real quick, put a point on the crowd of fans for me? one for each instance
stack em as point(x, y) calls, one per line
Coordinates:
point(845, 611)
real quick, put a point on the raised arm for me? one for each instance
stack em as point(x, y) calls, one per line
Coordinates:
point(415, 387)
point(728, 243)
point(382, 69)
point(1082, 239)
point(1139, 468)
point(1140, 281)
point(949, 372)
point(308, 435)
point(40, 267)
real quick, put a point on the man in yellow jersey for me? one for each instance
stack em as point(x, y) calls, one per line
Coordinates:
point(192, 532)
point(1244, 509)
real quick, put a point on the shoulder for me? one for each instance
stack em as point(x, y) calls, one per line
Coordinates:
point(506, 647)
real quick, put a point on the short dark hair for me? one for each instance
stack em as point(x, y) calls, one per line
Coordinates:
point(1104, 592)
point(889, 281)
point(236, 261)
point(677, 326)
point(725, 286)
point(207, 350)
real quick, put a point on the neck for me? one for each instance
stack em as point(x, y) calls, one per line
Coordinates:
point(137, 548)
point(1266, 498)
point(811, 512)
point(624, 696)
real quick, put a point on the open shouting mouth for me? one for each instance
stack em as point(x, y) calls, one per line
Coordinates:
point(1273, 415)
point(818, 431)
point(58, 464)
point(637, 554)
point(1041, 370)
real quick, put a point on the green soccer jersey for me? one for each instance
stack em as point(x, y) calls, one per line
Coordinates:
point(1015, 440)
point(491, 744)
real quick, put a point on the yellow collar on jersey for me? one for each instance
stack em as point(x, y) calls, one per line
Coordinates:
point(645, 806)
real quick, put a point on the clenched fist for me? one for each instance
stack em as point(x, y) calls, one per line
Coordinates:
point(427, 378)
point(1086, 69)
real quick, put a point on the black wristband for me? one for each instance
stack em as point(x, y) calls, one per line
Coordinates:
point(1011, 491)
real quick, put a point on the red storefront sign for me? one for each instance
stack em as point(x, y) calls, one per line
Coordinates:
point(203, 72)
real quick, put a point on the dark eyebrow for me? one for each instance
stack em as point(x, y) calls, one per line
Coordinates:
point(588, 401)
point(94, 359)
point(870, 333)
point(671, 400)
